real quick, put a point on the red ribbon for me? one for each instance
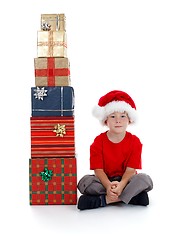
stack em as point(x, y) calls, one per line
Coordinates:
point(51, 71)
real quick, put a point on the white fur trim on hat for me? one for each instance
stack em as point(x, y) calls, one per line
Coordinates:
point(101, 113)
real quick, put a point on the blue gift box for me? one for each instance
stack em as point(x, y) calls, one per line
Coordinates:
point(52, 101)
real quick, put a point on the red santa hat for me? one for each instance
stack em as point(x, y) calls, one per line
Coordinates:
point(115, 101)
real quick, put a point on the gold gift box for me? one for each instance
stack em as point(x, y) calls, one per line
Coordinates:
point(57, 22)
point(52, 72)
point(51, 44)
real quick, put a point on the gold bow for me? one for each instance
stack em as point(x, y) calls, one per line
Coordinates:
point(60, 130)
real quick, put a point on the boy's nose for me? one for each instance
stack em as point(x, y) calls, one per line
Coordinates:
point(117, 120)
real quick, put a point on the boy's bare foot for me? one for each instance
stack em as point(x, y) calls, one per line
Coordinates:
point(108, 200)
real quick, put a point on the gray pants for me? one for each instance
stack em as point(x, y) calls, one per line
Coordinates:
point(91, 185)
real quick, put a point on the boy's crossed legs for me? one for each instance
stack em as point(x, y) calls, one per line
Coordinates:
point(94, 194)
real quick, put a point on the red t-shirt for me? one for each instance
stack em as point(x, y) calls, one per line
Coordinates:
point(113, 158)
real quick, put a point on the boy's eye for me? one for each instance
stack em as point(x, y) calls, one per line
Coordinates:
point(122, 116)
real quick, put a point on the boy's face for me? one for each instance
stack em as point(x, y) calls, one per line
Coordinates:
point(117, 122)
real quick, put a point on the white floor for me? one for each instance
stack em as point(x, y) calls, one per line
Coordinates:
point(117, 222)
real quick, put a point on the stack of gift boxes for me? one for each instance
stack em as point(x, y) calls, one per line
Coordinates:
point(53, 173)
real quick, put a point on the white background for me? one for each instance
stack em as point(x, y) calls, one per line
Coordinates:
point(125, 45)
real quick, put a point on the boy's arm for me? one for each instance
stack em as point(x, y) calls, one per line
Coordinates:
point(103, 177)
point(127, 175)
point(106, 183)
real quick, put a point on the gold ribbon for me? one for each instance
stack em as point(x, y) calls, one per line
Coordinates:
point(51, 43)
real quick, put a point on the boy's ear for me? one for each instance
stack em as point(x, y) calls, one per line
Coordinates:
point(105, 122)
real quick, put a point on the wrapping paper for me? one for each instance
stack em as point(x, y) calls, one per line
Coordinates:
point(51, 44)
point(60, 188)
point(56, 21)
point(52, 137)
point(52, 72)
point(52, 101)
point(50, 19)
point(61, 22)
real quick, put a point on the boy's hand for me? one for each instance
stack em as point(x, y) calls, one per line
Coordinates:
point(117, 188)
point(111, 195)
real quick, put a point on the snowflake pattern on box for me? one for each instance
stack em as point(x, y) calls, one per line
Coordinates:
point(40, 93)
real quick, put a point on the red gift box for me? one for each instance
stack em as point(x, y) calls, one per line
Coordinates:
point(52, 71)
point(52, 137)
point(53, 181)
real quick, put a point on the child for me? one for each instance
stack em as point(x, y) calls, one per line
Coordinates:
point(115, 156)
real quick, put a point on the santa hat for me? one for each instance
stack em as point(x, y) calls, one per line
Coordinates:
point(115, 101)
